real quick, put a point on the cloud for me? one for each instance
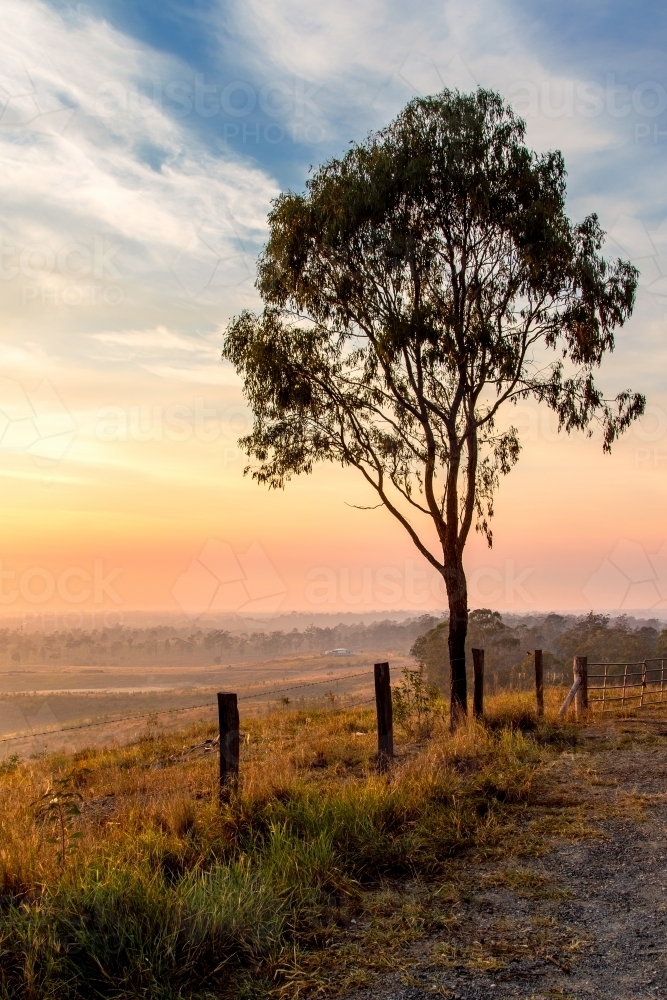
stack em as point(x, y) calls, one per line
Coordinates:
point(210, 374)
point(167, 355)
point(102, 187)
point(130, 227)
point(367, 60)
point(360, 63)
point(159, 338)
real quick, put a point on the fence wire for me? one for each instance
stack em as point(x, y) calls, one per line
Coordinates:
point(637, 684)
point(187, 708)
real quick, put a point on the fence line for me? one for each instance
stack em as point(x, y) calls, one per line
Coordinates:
point(610, 682)
point(186, 708)
point(645, 685)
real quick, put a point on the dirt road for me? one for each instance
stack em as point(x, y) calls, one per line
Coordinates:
point(588, 917)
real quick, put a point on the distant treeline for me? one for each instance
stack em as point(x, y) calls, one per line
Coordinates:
point(166, 646)
point(508, 645)
point(509, 648)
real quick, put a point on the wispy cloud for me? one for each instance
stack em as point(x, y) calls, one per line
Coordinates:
point(209, 374)
point(158, 339)
point(100, 185)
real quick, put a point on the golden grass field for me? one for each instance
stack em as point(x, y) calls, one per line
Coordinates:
point(123, 876)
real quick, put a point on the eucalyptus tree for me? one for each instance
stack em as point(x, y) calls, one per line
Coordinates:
point(422, 282)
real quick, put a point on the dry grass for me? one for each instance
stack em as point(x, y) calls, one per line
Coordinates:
point(513, 940)
point(290, 888)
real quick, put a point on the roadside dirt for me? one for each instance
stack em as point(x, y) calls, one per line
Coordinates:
point(587, 916)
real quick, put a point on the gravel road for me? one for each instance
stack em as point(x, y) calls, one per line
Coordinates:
point(587, 918)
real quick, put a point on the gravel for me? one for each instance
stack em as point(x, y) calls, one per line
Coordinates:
point(593, 923)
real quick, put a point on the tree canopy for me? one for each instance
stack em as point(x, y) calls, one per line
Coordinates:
point(422, 281)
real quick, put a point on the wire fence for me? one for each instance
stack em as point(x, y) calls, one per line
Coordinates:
point(632, 684)
point(264, 693)
point(636, 684)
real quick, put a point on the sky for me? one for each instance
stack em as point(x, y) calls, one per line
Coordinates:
point(141, 144)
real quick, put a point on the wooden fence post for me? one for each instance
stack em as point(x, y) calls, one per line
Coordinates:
point(570, 696)
point(641, 697)
point(385, 716)
point(580, 669)
point(539, 682)
point(228, 716)
point(478, 688)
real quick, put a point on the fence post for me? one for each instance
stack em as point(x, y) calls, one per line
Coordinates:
point(641, 697)
point(580, 669)
point(228, 717)
point(385, 716)
point(478, 689)
point(539, 682)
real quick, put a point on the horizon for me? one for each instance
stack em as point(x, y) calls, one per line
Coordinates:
point(300, 620)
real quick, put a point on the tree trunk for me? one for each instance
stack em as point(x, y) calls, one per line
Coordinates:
point(457, 593)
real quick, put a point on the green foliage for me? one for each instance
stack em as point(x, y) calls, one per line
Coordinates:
point(661, 645)
point(419, 284)
point(415, 702)
point(486, 630)
point(509, 649)
point(597, 638)
point(10, 764)
point(423, 282)
point(167, 645)
point(59, 807)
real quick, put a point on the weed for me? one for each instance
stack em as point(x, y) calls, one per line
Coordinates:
point(331, 699)
point(59, 806)
point(415, 703)
point(10, 764)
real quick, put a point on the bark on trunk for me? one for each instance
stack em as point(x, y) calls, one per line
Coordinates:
point(457, 593)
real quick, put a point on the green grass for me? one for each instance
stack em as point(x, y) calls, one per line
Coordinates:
point(166, 894)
